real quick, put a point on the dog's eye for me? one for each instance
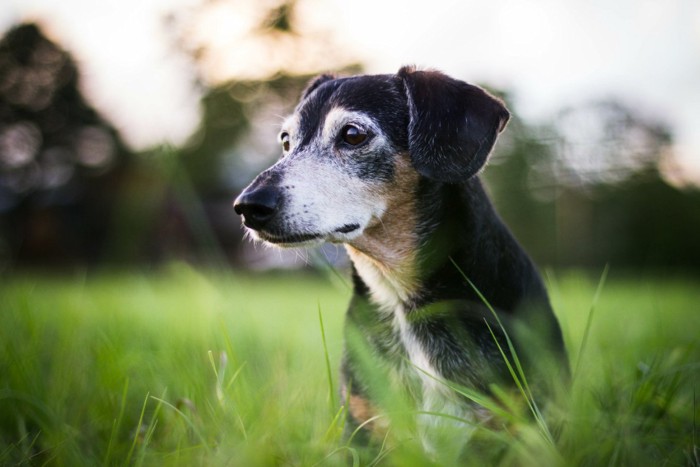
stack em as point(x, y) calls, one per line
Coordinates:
point(353, 135)
point(284, 139)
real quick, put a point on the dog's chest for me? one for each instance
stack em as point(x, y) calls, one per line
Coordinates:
point(406, 346)
point(413, 363)
point(418, 370)
point(414, 348)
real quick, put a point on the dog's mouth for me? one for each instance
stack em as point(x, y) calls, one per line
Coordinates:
point(347, 228)
point(299, 239)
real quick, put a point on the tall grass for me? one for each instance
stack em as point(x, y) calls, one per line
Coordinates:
point(186, 368)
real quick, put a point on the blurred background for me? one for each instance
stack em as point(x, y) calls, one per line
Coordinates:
point(128, 127)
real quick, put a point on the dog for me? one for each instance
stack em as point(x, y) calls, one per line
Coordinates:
point(388, 166)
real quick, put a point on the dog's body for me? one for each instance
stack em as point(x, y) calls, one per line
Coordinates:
point(388, 165)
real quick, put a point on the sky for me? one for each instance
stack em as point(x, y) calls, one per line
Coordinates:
point(549, 54)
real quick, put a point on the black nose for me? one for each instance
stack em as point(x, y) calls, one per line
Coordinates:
point(257, 206)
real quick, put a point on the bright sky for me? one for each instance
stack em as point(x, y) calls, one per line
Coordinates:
point(550, 53)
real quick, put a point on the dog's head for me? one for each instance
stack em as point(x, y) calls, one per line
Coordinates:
point(353, 143)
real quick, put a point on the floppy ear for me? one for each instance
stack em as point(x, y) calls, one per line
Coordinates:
point(316, 82)
point(452, 125)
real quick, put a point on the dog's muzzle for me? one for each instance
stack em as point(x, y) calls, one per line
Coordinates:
point(258, 205)
point(265, 209)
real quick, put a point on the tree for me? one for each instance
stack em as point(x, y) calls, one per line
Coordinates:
point(590, 190)
point(58, 157)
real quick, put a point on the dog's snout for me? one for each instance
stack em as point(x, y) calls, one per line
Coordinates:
point(257, 206)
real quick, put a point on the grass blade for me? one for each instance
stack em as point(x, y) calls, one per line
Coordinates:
point(333, 427)
point(331, 390)
point(117, 424)
point(589, 321)
point(518, 377)
point(187, 420)
point(137, 432)
point(521, 382)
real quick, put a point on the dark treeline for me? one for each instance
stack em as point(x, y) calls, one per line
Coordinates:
point(584, 191)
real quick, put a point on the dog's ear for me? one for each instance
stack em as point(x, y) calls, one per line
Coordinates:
point(452, 125)
point(314, 83)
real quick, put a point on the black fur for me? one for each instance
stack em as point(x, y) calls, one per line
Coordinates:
point(449, 128)
point(453, 125)
point(462, 237)
point(358, 94)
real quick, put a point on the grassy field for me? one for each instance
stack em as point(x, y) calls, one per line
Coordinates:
point(187, 368)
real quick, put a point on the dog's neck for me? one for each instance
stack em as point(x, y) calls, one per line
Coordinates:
point(394, 257)
point(387, 265)
point(385, 256)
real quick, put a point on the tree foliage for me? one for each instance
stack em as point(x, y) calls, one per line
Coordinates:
point(584, 190)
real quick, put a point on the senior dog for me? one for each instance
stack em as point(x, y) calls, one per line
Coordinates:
point(388, 166)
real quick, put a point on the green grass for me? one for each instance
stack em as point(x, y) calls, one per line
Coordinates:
point(187, 368)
